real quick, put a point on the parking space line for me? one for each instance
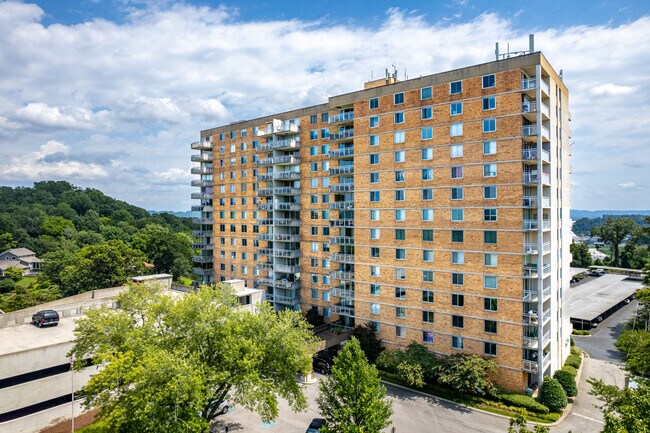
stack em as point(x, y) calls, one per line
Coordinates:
point(589, 418)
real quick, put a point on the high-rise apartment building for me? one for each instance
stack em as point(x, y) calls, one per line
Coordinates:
point(436, 208)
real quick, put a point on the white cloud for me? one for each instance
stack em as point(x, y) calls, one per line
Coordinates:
point(611, 89)
point(627, 185)
point(41, 114)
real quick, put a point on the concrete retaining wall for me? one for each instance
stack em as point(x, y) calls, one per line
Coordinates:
point(41, 420)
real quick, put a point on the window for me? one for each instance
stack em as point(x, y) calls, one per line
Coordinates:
point(427, 316)
point(489, 125)
point(325, 149)
point(489, 237)
point(313, 134)
point(427, 255)
point(457, 279)
point(489, 81)
point(427, 336)
point(326, 295)
point(456, 129)
point(325, 165)
point(457, 193)
point(489, 349)
point(456, 150)
point(425, 93)
point(456, 108)
point(374, 103)
point(457, 236)
point(399, 176)
point(427, 276)
point(374, 215)
point(426, 133)
point(457, 300)
point(400, 234)
point(313, 119)
point(427, 296)
point(490, 192)
point(374, 177)
point(326, 182)
point(398, 137)
point(427, 194)
point(457, 321)
point(427, 214)
point(375, 271)
point(457, 342)
point(399, 196)
point(490, 304)
point(400, 214)
point(457, 214)
point(489, 214)
point(490, 281)
point(455, 87)
point(489, 170)
point(489, 103)
point(426, 113)
point(324, 133)
point(374, 121)
point(457, 257)
point(374, 234)
point(398, 98)
point(314, 280)
point(398, 117)
point(374, 158)
point(313, 151)
point(490, 259)
point(324, 117)
point(400, 332)
point(400, 312)
point(313, 182)
point(489, 147)
point(374, 140)
point(313, 166)
point(400, 293)
point(314, 292)
point(375, 289)
point(427, 153)
point(375, 308)
point(456, 171)
point(427, 235)
point(400, 156)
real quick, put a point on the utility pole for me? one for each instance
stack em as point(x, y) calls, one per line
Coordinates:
point(71, 359)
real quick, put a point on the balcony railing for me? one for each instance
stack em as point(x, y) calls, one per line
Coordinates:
point(546, 247)
point(342, 240)
point(547, 292)
point(530, 248)
point(202, 208)
point(342, 222)
point(530, 366)
point(533, 106)
point(202, 272)
point(531, 201)
point(531, 342)
point(284, 222)
point(281, 190)
point(533, 224)
point(345, 169)
point(342, 187)
point(531, 295)
point(201, 195)
point(202, 220)
point(342, 135)
point(290, 300)
point(202, 183)
point(203, 246)
point(279, 252)
point(287, 269)
point(287, 175)
point(342, 153)
point(546, 316)
point(530, 271)
point(289, 143)
point(343, 117)
point(202, 170)
point(531, 83)
point(342, 293)
point(202, 233)
point(202, 259)
point(342, 258)
point(531, 130)
point(202, 157)
point(201, 145)
point(281, 237)
point(342, 275)
point(528, 154)
point(348, 204)
point(534, 178)
point(341, 310)
point(280, 129)
point(282, 159)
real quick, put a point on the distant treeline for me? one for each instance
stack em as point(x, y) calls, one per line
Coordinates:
point(583, 226)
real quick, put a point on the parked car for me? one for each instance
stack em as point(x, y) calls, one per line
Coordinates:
point(597, 272)
point(45, 318)
point(223, 407)
point(322, 365)
point(315, 425)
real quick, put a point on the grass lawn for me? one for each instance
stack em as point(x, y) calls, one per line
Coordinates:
point(185, 281)
point(25, 281)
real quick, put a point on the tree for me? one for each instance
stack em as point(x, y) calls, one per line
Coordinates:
point(613, 232)
point(56, 226)
point(353, 400)
point(7, 242)
point(568, 382)
point(468, 374)
point(518, 425)
point(625, 410)
point(170, 252)
point(168, 362)
point(636, 345)
point(580, 254)
point(14, 272)
point(553, 395)
point(370, 344)
point(100, 266)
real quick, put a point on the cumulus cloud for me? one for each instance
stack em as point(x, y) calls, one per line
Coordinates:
point(41, 114)
point(627, 185)
point(611, 89)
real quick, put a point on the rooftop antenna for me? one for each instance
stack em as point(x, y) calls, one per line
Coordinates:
point(531, 49)
point(394, 65)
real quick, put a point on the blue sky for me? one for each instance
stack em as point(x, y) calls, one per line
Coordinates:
point(109, 93)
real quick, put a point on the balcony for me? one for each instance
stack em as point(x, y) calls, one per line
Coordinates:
point(203, 272)
point(344, 169)
point(287, 175)
point(530, 366)
point(279, 128)
point(546, 247)
point(289, 300)
point(342, 187)
point(528, 154)
point(342, 310)
point(346, 134)
point(342, 240)
point(348, 204)
point(342, 258)
point(203, 246)
point(530, 318)
point(531, 342)
point(289, 143)
point(342, 275)
point(201, 195)
point(531, 295)
point(287, 269)
point(533, 178)
point(202, 170)
point(280, 252)
point(202, 233)
point(342, 118)
point(202, 220)
point(265, 266)
point(261, 177)
point(281, 237)
point(202, 259)
point(342, 153)
point(278, 206)
point(279, 160)
point(530, 248)
point(202, 183)
point(529, 85)
point(280, 283)
point(546, 316)
point(531, 201)
point(530, 271)
point(533, 106)
point(342, 293)
point(283, 222)
point(533, 224)
point(281, 190)
point(202, 157)
point(201, 145)
point(202, 208)
point(342, 222)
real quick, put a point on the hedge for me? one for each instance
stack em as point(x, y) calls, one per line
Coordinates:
point(576, 351)
point(525, 401)
point(568, 382)
point(571, 370)
point(573, 361)
point(553, 395)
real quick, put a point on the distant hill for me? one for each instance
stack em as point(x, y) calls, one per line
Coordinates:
point(184, 214)
point(577, 213)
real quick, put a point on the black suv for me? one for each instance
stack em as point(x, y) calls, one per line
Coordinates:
point(322, 364)
point(45, 318)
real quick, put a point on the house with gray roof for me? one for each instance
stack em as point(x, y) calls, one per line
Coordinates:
point(21, 258)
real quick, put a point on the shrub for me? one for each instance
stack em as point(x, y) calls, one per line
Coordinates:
point(570, 369)
point(574, 361)
point(568, 382)
point(370, 343)
point(576, 351)
point(581, 332)
point(553, 395)
point(525, 401)
point(573, 343)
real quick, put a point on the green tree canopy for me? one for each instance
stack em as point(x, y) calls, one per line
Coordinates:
point(370, 343)
point(353, 400)
point(613, 232)
point(57, 226)
point(170, 252)
point(169, 361)
point(553, 395)
point(580, 254)
point(14, 272)
point(636, 345)
point(625, 410)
